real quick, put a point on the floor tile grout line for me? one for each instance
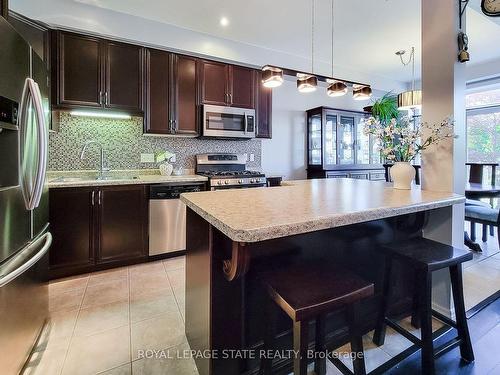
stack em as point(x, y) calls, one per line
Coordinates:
point(74, 326)
point(175, 296)
point(129, 321)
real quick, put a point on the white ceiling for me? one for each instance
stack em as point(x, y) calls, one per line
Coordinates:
point(367, 32)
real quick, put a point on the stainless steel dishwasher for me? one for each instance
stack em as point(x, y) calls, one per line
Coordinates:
point(167, 216)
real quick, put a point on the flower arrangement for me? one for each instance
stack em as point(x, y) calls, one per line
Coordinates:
point(400, 141)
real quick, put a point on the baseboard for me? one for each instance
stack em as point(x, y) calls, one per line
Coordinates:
point(481, 305)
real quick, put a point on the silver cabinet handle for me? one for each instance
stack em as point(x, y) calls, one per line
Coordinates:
point(100, 197)
point(11, 270)
point(106, 98)
point(100, 97)
point(93, 197)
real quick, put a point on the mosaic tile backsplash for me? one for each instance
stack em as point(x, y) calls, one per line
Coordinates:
point(123, 143)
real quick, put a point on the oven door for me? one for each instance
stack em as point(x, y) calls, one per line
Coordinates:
point(228, 122)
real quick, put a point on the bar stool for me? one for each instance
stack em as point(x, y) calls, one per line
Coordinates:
point(308, 292)
point(425, 256)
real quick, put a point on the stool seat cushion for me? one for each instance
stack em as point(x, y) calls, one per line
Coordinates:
point(475, 202)
point(423, 253)
point(481, 213)
point(305, 291)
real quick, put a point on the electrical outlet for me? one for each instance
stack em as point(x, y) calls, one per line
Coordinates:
point(173, 158)
point(252, 157)
point(245, 156)
point(147, 158)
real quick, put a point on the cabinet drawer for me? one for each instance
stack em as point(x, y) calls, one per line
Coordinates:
point(377, 176)
point(336, 175)
point(359, 175)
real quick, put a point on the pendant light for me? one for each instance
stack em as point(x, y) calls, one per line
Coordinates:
point(308, 83)
point(272, 77)
point(409, 99)
point(335, 88)
point(361, 92)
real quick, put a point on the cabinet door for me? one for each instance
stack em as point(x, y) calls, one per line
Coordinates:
point(185, 95)
point(157, 116)
point(214, 83)
point(71, 218)
point(79, 71)
point(264, 109)
point(122, 222)
point(345, 136)
point(242, 83)
point(123, 77)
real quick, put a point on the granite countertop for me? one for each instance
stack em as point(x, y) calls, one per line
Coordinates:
point(64, 179)
point(250, 215)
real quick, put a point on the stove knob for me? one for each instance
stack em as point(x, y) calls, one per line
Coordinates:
point(226, 182)
point(219, 182)
point(252, 181)
point(240, 181)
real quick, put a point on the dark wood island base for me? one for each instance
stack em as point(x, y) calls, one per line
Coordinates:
point(225, 301)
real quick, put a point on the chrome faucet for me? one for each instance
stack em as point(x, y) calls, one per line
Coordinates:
point(102, 168)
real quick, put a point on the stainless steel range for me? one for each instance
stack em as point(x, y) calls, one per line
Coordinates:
point(228, 171)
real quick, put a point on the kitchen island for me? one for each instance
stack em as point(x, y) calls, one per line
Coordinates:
point(235, 235)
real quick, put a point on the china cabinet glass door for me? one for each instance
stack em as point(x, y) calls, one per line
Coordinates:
point(362, 144)
point(346, 140)
point(330, 140)
point(315, 139)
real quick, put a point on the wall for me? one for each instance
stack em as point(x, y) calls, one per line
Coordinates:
point(124, 142)
point(285, 153)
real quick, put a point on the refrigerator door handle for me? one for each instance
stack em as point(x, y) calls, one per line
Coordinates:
point(42, 145)
point(32, 190)
point(13, 269)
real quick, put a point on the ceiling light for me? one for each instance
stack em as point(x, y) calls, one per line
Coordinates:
point(361, 92)
point(336, 88)
point(120, 116)
point(306, 84)
point(411, 99)
point(271, 76)
point(224, 21)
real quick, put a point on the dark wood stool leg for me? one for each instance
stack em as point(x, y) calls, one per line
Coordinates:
point(266, 363)
point(358, 362)
point(492, 230)
point(320, 362)
point(380, 328)
point(300, 345)
point(425, 308)
point(485, 233)
point(415, 316)
point(458, 299)
point(473, 231)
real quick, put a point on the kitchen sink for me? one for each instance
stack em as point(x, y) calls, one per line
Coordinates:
point(105, 178)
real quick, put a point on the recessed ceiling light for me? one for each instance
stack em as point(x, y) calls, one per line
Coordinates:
point(224, 21)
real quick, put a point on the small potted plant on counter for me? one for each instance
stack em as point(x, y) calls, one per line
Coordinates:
point(400, 142)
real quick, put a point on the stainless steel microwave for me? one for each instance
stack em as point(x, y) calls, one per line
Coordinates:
point(228, 122)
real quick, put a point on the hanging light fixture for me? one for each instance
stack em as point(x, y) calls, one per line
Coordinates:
point(361, 92)
point(409, 99)
point(272, 76)
point(307, 82)
point(335, 88)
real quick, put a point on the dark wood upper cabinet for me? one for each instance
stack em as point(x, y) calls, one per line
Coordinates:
point(123, 77)
point(227, 85)
point(92, 72)
point(171, 94)
point(123, 227)
point(214, 83)
point(242, 90)
point(78, 71)
point(264, 109)
point(72, 228)
point(158, 81)
point(185, 98)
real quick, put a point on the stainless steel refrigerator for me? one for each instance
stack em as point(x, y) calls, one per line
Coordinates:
point(24, 229)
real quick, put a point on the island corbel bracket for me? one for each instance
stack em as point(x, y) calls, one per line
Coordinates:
point(239, 263)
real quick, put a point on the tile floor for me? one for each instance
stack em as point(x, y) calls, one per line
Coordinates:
point(101, 321)
point(482, 274)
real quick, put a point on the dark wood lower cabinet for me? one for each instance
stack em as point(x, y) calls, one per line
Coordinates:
point(97, 228)
point(123, 223)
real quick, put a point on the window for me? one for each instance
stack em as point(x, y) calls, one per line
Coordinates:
point(483, 128)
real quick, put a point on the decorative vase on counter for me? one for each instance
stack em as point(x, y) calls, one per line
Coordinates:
point(166, 169)
point(402, 174)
